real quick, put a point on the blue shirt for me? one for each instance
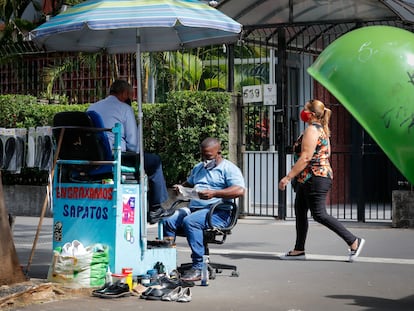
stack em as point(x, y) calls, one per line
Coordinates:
point(114, 111)
point(222, 176)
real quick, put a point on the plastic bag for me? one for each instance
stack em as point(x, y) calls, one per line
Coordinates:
point(86, 269)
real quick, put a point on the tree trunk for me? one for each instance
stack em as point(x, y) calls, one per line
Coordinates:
point(10, 270)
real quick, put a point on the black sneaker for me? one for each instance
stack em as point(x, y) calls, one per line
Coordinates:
point(158, 213)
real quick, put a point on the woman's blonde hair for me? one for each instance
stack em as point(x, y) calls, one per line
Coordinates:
point(322, 113)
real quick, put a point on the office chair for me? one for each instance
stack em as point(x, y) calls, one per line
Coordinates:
point(214, 235)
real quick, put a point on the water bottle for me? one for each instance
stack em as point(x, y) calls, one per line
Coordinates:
point(204, 271)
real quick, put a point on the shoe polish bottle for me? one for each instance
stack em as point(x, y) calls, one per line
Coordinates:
point(108, 276)
point(204, 271)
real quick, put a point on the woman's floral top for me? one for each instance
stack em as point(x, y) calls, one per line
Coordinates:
point(319, 164)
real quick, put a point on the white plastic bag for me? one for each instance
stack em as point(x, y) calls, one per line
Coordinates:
point(85, 268)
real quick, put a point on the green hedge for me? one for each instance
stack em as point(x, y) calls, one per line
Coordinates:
point(173, 129)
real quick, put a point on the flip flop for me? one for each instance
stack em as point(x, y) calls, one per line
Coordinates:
point(38, 151)
point(47, 149)
point(185, 296)
point(10, 149)
point(20, 143)
point(173, 295)
point(1, 153)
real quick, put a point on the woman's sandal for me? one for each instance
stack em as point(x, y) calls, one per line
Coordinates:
point(290, 256)
point(354, 253)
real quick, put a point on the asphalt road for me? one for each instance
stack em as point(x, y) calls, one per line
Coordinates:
point(381, 280)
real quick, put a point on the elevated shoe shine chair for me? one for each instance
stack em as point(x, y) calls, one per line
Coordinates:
point(85, 138)
point(81, 141)
point(89, 208)
point(214, 235)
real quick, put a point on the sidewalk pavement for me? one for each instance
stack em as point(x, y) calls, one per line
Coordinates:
point(382, 279)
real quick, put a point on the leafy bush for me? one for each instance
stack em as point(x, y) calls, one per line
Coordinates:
point(174, 130)
point(23, 111)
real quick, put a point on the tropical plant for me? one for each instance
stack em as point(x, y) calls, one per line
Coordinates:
point(52, 75)
point(185, 70)
point(15, 28)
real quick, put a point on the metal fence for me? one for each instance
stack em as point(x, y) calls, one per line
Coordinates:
point(363, 181)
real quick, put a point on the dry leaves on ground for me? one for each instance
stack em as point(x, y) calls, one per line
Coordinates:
point(37, 291)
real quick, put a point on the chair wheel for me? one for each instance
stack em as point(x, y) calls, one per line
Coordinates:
point(235, 274)
point(211, 273)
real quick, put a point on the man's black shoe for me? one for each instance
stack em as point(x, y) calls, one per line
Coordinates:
point(114, 291)
point(101, 290)
point(156, 210)
point(191, 275)
point(155, 215)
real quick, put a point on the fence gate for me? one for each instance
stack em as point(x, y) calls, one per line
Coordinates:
point(363, 176)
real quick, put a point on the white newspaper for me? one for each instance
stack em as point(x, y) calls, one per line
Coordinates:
point(188, 193)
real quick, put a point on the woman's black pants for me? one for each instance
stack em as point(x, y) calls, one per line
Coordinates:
point(312, 196)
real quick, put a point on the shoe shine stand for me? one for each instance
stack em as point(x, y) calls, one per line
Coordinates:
point(107, 213)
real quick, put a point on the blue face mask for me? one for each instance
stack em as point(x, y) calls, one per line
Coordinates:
point(210, 164)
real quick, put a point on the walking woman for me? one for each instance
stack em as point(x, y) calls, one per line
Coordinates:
point(311, 176)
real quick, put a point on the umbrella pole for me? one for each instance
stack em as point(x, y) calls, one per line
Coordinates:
point(143, 187)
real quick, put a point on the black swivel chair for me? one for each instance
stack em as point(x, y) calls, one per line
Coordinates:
point(214, 235)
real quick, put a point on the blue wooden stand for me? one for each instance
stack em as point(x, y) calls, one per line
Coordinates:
point(111, 214)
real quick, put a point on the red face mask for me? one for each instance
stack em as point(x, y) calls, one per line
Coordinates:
point(305, 115)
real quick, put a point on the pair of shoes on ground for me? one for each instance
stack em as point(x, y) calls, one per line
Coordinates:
point(155, 292)
point(112, 290)
point(353, 254)
point(179, 294)
point(157, 213)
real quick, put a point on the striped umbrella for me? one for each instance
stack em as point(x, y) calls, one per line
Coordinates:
point(118, 25)
point(126, 26)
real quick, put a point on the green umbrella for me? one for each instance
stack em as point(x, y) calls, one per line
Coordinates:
point(371, 72)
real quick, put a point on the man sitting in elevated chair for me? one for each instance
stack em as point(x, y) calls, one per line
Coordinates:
point(116, 109)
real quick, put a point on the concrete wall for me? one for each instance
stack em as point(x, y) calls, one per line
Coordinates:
point(403, 209)
point(25, 200)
